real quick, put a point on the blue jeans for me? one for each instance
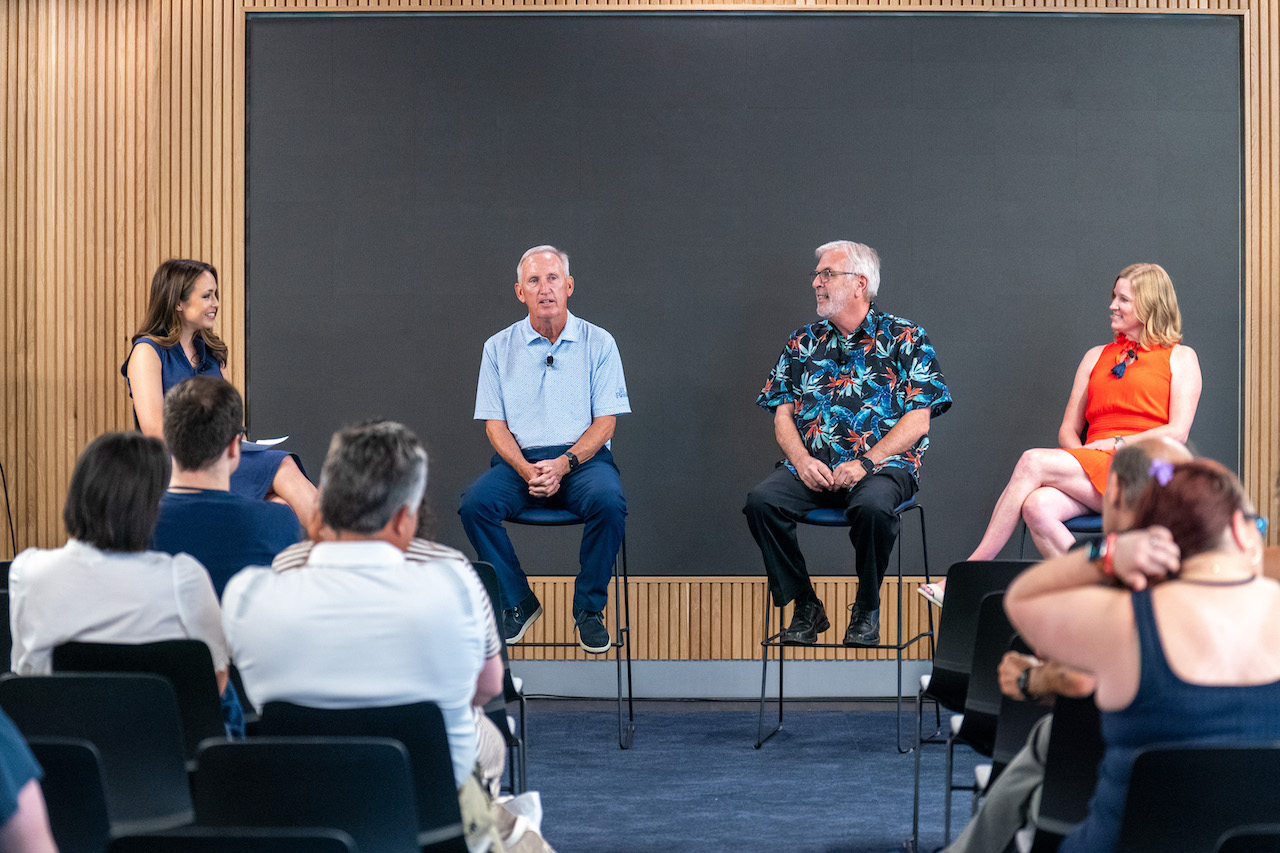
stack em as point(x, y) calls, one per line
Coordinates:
point(593, 492)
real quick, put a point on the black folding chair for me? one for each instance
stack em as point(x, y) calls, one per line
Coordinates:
point(361, 786)
point(132, 720)
point(185, 664)
point(419, 727)
point(948, 684)
point(1070, 771)
point(976, 727)
point(1186, 798)
point(74, 793)
point(237, 839)
point(496, 710)
point(1251, 838)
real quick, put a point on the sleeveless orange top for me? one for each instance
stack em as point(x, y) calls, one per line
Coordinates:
point(1124, 405)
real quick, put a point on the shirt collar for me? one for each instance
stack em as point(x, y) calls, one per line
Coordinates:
point(572, 330)
point(363, 552)
point(868, 327)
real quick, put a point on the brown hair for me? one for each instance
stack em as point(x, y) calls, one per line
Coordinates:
point(172, 283)
point(1155, 303)
point(1196, 504)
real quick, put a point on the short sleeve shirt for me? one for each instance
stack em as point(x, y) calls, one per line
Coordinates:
point(849, 391)
point(547, 393)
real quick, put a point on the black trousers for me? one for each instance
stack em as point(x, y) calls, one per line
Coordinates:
point(780, 500)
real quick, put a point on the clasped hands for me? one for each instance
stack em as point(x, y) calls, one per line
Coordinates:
point(820, 478)
point(545, 475)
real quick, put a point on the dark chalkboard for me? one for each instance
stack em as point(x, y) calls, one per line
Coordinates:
point(1005, 166)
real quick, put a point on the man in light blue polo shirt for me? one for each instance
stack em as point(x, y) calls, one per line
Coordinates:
point(551, 388)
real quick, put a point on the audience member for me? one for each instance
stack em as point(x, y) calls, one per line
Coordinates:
point(203, 422)
point(358, 624)
point(24, 823)
point(1175, 622)
point(1012, 803)
point(550, 392)
point(852, 397)
point(103, 585)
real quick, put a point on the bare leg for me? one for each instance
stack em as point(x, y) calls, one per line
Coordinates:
point(1038, 467)
point(1044, 511)
point(290, 486)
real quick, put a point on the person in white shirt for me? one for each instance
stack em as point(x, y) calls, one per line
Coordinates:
point(103, 585)
point(358, 624)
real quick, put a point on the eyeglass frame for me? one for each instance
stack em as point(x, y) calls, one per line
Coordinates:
point(827, 274)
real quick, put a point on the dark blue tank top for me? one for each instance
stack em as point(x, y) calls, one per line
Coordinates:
point(258, 466)
point(1167, 710)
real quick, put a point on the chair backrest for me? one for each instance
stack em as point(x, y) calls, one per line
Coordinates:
point(1017, 718)
point(983, 698)
point(6, 633)
point(967, 584)
point(419, 727)
point(361, 786)
point(186, 664)
point(1185, 798)
point(132, 720)
point(1251, 838)
point(237, 839)
point(1070, 770)
point(74, 793)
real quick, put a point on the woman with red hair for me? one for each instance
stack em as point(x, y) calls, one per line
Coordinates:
point(1176, 623)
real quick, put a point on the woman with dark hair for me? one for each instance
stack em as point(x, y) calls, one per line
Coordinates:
point(1175, 622)
point(103, 585)
point(1144, 384)
point(175, 342)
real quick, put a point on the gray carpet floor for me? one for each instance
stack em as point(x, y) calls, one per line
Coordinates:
point(832, 781)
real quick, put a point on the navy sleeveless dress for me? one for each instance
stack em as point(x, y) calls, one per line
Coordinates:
point(258, 465)
point(1167, 710)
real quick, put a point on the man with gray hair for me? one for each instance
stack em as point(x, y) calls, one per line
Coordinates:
point(358, 624)
point(852, 396)
point(550, 390)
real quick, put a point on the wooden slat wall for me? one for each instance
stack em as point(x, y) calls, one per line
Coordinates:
point(718, 618)
point(122, 134)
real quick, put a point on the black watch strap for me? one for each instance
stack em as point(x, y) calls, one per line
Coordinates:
point(1024, 682)
point(573, 460)
point(867, 464)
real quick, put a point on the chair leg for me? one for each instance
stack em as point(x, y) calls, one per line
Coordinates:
point(946, 824)
point(761, 736)
point(915, 805)
point(924, 552)
point(626, 734)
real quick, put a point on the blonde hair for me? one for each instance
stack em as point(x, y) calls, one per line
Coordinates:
point(1155, 303)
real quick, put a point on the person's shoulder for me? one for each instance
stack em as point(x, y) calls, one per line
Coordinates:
point(424, 550)
point(1183, 355)
point(503, 336)
point(895, 324)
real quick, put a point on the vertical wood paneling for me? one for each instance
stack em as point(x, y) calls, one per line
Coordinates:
point(123, 144)
point(716, 618)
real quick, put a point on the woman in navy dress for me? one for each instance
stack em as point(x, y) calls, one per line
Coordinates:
point(175, 342)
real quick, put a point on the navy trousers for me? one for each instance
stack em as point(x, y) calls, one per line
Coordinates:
point(780, 500)
point(593, 492)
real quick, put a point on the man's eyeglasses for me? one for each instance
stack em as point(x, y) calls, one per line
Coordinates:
point(828, 274)
point(1259, 520)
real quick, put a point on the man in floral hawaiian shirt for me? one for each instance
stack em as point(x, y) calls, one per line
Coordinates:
point(852, 396)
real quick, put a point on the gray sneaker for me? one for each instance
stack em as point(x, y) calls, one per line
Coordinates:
point(518, 619)
point(592, 635)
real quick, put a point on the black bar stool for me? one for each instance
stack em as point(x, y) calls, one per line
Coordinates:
point(548, 517)
point(834, 517)
point(1089, 524)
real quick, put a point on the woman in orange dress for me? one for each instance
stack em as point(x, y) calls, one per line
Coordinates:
point(1142, 385)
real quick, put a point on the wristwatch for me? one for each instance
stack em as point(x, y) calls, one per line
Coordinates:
point(1024, 682)
point(867, 464)
point(573, 460)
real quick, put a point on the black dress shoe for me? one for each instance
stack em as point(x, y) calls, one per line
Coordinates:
point(864, 627)
point(809, 620)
